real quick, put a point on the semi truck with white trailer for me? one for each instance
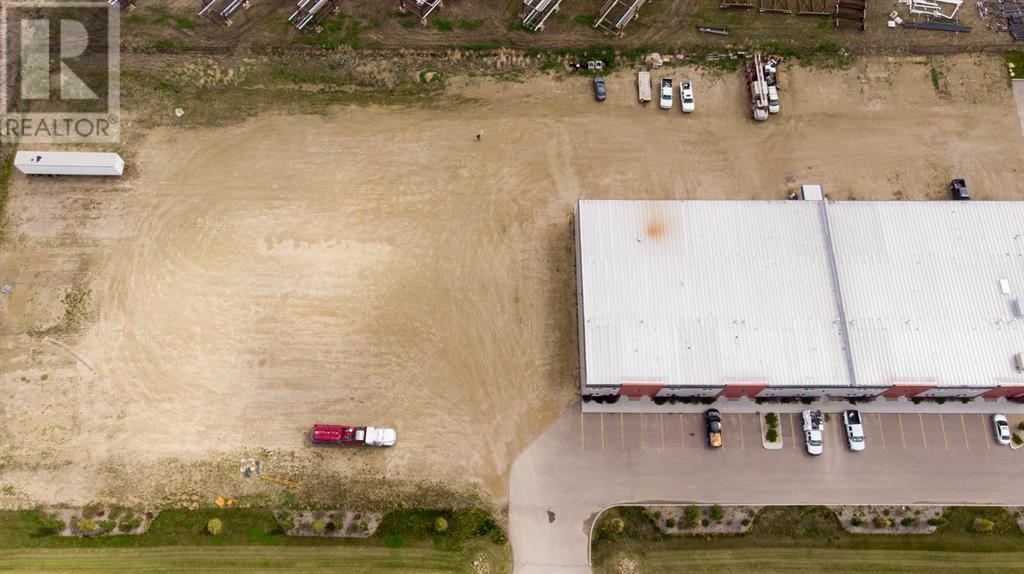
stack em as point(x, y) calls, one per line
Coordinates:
point(68, 163)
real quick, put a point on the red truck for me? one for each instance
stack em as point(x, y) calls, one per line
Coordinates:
point(352, 436)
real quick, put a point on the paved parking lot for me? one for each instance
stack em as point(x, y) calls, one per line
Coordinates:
point(587, 462)
point(883, 431)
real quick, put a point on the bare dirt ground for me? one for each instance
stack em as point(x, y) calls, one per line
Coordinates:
point(379, 265)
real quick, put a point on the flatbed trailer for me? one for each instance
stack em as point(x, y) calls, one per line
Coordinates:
point(643, 84)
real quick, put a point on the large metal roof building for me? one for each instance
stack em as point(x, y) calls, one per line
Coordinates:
point(800, 298)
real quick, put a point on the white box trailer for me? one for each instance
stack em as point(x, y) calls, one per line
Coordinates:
point(68, 163)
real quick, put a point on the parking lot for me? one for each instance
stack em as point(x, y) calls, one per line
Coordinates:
point(588, 461)
point(884, 432)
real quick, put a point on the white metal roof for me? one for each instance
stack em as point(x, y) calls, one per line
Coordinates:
point(701, 293)
point(66, 158)
point(920, 284)
point(698, 293)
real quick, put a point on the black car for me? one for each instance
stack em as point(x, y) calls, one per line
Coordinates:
point(713, 421)
point(958, 189)
point(599, 89)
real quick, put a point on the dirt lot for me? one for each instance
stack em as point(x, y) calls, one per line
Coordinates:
point(380, 265)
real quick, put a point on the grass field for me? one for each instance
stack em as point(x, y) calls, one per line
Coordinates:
point(351, 560)
point(801, 539)
point(766, 560)
point(252, 540)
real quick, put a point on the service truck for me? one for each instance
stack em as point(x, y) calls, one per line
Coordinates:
point(345, 435)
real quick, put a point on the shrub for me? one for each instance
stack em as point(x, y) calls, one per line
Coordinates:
point(440, 524)
point(130, 524)
point(692, 514)
point(937, 521)
point(772, 420)
point(214, 526)
point(364, 527)
point(85, 524)
point(50, 525)
point(885, 512)
point(916, 400)
point(319, 527)
point(908, 522)
point(670, 523)
point(708, 400)
point(612, 528)
point(1017, 440)
point(808, 400)
point(395, 541)
point(498, 537)
point(881, 522)
point(107, 525)
point(771, 435)
point(717, 513)
point(660, 400)
point(940, 400)
point(1020, 426)
point(857, 521)
point(287, 522)
point(745, 522)
point(331, 526)
point(983, 524)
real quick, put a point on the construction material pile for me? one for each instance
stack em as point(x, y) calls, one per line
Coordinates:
point(1003, 17)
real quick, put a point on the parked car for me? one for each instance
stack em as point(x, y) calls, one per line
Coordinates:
point(686, 96)
point(600, 92)
point(773, 99)
point(814, 431)
point(854, 430)
point(1002, 428)
point(713, 421)
point(665, 99)
point(958, 189)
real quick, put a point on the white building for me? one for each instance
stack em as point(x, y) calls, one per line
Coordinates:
point(800, 298)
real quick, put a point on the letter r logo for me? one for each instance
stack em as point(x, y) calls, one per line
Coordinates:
point(35, 60)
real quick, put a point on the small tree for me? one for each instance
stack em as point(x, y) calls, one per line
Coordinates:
point(717, 513)
point(440, 524)
point(771, 419)
point(214, 526)
point(983, 524)
point(771, 435)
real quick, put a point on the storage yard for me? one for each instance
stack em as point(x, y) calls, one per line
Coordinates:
point(381, 265)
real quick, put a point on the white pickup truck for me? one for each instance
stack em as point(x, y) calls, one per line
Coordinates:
point(854, 430)
point(665, 101)
point(814, 431)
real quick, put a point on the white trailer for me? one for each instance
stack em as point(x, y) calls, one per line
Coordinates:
point(643, 84)
point(68, 163)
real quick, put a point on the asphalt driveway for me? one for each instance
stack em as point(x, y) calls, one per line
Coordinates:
point(587, 462)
